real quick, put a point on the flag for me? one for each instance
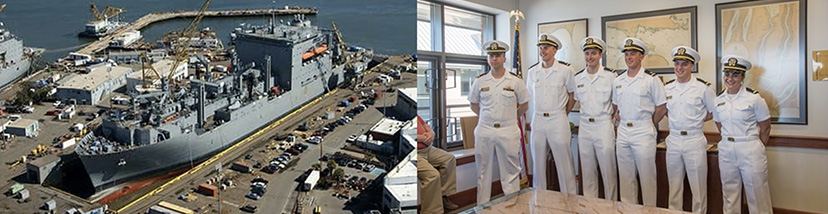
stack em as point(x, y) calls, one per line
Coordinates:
point(518, 69)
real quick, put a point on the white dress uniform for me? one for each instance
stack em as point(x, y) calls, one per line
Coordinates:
point(548, 91)
point(497, 132)
point(742, 158)
point(636, 98)
point(596, 138)
point(687, 106)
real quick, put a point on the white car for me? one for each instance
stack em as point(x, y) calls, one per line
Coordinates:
point(56, 104)
point(351, 139)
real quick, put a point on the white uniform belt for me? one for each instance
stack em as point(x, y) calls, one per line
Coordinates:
point(595, 119)
point(549, 113)
point(686, 132)
point(636, 123)
point(497, 124)
point(739, 138)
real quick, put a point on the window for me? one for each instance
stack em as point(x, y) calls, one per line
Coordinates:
point(450, 59)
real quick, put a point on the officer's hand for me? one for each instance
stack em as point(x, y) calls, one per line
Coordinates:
point(616, 116)
point(429, 137)
point(528, 127)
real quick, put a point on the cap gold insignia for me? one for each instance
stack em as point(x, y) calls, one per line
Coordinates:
point(681, 51)
point(732, 62)
point(629, 42)
point(494, 46)
point(543, 37)
point(589, 41)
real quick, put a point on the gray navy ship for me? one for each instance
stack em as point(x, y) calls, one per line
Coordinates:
point(15, 60)
point(276, 69)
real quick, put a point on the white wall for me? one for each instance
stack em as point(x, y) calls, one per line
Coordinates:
point(798, 177)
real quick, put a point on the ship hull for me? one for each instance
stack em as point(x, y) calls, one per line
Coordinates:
point(14, 72)
point(104, 170)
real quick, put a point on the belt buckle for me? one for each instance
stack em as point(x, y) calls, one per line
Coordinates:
point(629, 125)
point(591, 119)
point(497, 125)
point(683, 132)
point(546, 114)
point(731, 139)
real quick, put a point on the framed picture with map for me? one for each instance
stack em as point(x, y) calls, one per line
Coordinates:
point(661, 30)
point(570, 32)
point(771, 34)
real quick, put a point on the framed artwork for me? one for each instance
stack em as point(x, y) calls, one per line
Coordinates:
point(661, 30)
point(570, 32)
point(771, 34)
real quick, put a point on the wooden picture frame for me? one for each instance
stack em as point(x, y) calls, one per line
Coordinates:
point(772, 36)
point(661, 30)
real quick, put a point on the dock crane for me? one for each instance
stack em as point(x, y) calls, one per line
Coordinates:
point(148, 72)
point(108, 12)
point(342, 45)
point(180, 50)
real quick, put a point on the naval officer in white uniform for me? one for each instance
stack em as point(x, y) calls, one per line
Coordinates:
point(551, 86)
point(596, 137)
point(743, 119)
point(497, 97)
point(690, 102)
point(639, 97)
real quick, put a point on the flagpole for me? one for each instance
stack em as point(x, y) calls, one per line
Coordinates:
point(518, 69)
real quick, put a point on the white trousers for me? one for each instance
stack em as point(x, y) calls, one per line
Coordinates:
point(636, 148)
point(553, 133)
point(596, 146)
point(744, 162)
point(687, 153)
point(503, 142)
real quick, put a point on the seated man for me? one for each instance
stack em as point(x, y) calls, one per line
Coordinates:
point(435, 170)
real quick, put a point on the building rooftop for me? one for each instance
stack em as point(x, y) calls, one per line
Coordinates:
point(401, 181)
point(22, 123)
point(162, 66)
point(410, 93)
point(388, 126)
point(96, 76)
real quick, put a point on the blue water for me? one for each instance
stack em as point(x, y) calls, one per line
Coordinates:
point(387, 26)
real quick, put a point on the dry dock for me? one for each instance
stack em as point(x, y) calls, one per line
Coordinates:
point(148, 19)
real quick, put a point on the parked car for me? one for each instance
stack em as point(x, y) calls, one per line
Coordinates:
point(253, 195)
point(249, 208)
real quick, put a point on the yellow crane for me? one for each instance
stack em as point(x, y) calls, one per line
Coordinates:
point(180, 50)
point(146, 67)
point(108, 12)
point(342, 46)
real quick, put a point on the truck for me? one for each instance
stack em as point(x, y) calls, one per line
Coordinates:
point(310, 182)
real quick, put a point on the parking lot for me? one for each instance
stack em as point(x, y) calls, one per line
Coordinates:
point(283, 162)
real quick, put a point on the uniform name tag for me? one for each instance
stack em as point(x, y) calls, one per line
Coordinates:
point(484, 89)
point(580, 85)
point(508, 88)
point(618, 86)
point(720, 104)
point(670, 97)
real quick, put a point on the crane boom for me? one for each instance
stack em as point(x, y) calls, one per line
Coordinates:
point(187, 33)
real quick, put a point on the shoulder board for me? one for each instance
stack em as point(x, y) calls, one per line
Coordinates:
point(609, 69)
point(483, 74)
point(579, 72)
point(562, 62)
point(533, 65)
point(649, 72)
point(621, 72)
point(752, 91)
point(721, 92)
point(702, 81)
point(671, 81)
